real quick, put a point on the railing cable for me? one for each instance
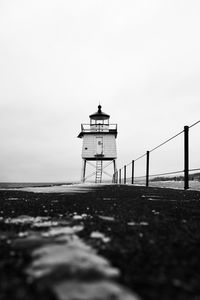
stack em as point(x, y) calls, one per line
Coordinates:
point(167, 173)
point(140, 157)
point(191, 170)
point(194, 124)
point(173, 137)
point(186, 160)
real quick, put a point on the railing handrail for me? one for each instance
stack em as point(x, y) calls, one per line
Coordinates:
point(110, 124)
point(98, 127)
point(186, 160)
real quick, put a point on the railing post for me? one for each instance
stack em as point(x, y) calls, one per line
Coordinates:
point(132, 180)
point(124, 174)
point(114, 178)
point(120, 176)
point(116, 181)
point(147, 169)
point(113, 181)
point(186, 157)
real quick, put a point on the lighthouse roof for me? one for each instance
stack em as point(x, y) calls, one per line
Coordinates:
point(99, 115)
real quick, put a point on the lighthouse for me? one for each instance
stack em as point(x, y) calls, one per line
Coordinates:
point(99, 144)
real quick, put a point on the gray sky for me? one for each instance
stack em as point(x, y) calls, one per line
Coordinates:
point(141, 59)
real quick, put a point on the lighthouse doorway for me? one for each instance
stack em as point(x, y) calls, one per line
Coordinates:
point(99, 145)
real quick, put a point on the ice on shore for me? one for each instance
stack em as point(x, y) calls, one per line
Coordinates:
point(99, 235)
point(65, 188)
point(106, 218)
point(94, 290)
point(24, 219)
point(138, 224)
point(79, 271)
point(33, 221)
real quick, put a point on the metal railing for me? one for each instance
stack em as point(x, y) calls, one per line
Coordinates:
point(98, 127)
point(120, 176)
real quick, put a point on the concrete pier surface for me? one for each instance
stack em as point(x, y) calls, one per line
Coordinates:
point(99, 242)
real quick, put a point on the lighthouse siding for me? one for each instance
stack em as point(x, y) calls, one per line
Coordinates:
point(109, 146)
point(89, 149)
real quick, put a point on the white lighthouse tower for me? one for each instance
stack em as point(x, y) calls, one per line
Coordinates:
point(99, 143)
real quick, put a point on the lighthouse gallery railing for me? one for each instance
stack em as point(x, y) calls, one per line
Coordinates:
point(85, 128)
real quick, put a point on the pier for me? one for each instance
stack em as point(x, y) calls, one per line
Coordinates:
point(99, 242)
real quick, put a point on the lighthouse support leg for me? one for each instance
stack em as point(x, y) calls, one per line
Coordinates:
point(83, 171)
point(115, 169)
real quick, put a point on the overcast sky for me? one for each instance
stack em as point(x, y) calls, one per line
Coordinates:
point(141, 59)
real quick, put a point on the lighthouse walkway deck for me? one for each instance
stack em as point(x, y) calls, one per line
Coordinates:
point(99, 242)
